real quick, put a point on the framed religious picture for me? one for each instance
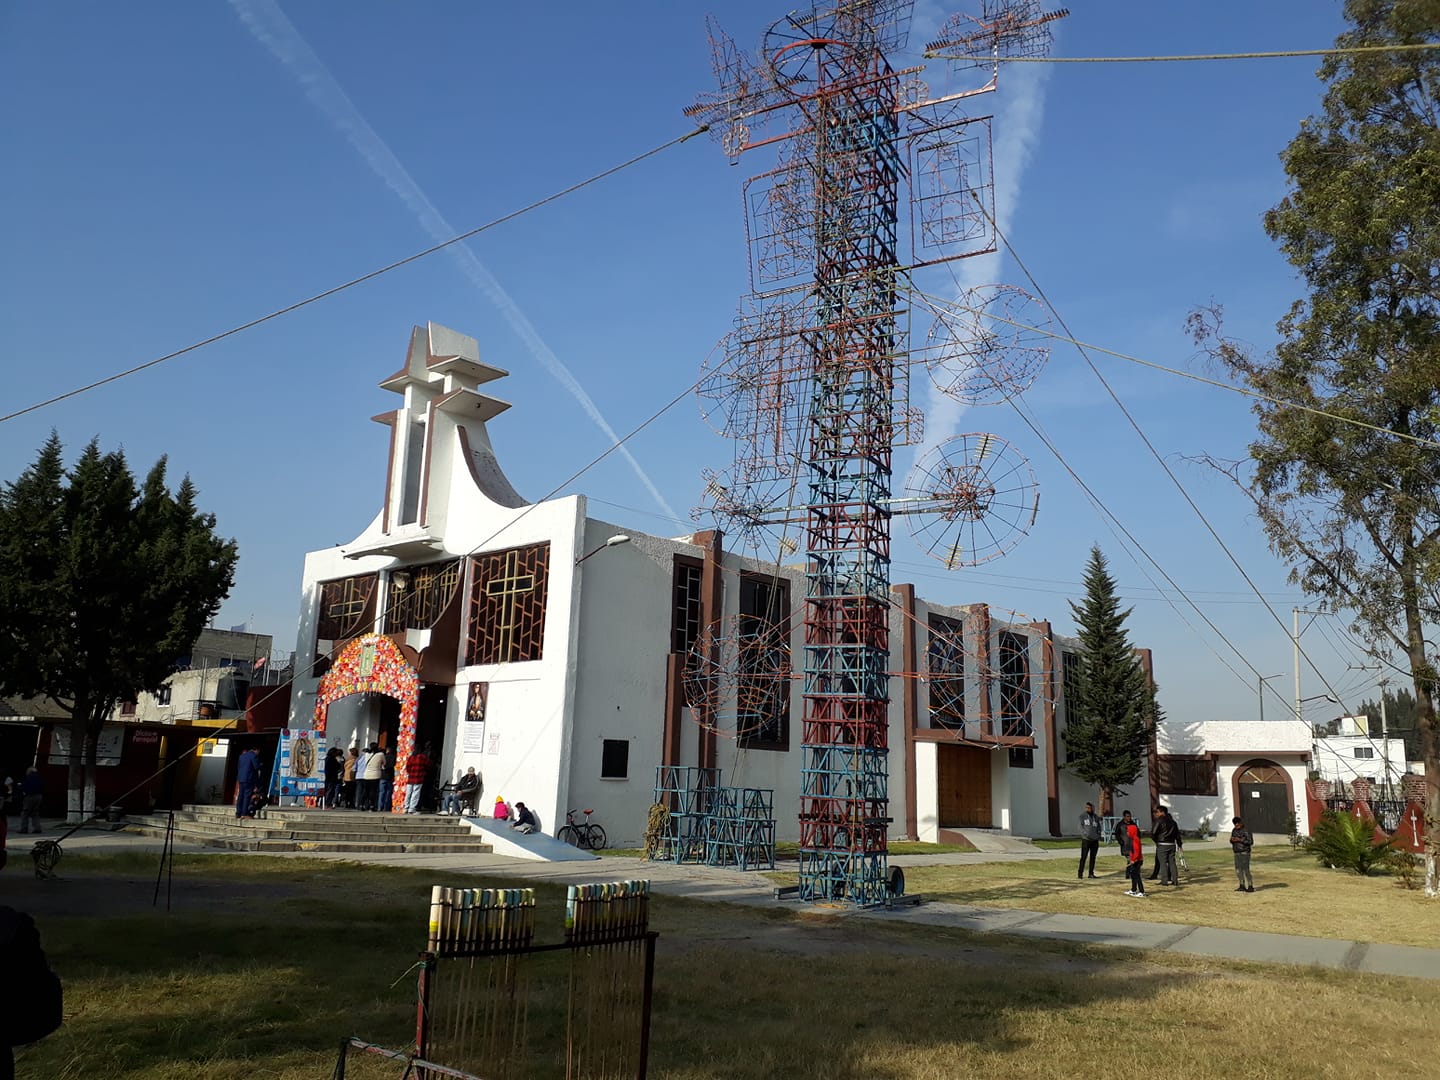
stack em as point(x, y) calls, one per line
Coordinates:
point(475, 708)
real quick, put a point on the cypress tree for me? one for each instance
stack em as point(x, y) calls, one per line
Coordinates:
point(1108, 725)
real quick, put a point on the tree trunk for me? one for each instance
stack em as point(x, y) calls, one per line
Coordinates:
point(92, 745)
point(1107, 801)
point(1423, 676)
point(1430, 751)
point(75, 783)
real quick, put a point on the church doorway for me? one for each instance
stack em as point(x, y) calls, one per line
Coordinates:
point(1262, 797)
point(430, 726)
point(388, 725)
point(963, 781)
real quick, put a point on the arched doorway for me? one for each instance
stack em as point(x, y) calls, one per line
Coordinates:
point(374, 664)
point(1263, 797)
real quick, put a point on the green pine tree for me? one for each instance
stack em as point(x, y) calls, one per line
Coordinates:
point(1109, 724)
point(102, 586)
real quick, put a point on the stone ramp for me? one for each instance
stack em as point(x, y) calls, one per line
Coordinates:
point(286, 829)
point(537, 846)
point(992, 842)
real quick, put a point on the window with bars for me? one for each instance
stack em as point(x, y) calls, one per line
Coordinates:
point(763, 718)
point(1070, 687)
point(507, 605)
point(1187, 774)
point(1015, 696)
point(945, 667)
point(418, 594)
point(1022, 757)
point(346, 608)
point(162, 696)
point(685, 604)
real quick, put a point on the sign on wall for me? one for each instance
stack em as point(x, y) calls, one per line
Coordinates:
point(107, 746)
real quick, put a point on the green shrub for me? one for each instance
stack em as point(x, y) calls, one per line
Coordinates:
point(1405, 865)
point(1345, 842)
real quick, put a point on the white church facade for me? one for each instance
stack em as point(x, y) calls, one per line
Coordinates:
point(513, 639)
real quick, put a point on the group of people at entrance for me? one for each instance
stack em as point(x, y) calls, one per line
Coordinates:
point(1169, 844)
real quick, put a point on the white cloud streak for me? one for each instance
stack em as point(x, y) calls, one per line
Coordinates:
point(1016, 131)
point(272, 29)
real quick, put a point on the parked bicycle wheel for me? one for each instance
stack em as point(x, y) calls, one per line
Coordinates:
point(569, 835)
point(596, 838)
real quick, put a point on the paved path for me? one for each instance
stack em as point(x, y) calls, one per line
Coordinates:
point(735, 887)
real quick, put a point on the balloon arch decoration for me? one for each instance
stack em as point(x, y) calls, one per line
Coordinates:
point(374, 664)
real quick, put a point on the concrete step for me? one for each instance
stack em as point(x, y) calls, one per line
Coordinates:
point(992, 841)
point(474, 846)
point(264, 829)
point(192, 830)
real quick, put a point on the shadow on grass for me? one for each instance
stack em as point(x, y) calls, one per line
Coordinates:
point(267, 985)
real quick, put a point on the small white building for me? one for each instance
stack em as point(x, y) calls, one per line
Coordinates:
point(1221, 769)
point(555, 663)
point(1349, 752)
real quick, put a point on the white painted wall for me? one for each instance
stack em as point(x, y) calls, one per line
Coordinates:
point(1256, 737)
point(927, 791)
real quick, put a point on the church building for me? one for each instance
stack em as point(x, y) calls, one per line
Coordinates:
point(569, 658)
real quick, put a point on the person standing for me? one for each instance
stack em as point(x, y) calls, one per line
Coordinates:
point(347, 777)
point(372, 769)
point(387, 781)
point(32, 794)
point(1166, 834)
point(1134, 854)
point(1089, 839)
point(247, 782)
point(416, 770)
point(334, 768)
point(1240, 844)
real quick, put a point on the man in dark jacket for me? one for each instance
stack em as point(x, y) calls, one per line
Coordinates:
point(1166, 834)
point(1089, 839)
point(247, 782)
point(1240, 843)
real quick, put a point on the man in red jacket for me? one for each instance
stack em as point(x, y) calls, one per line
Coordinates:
point(1134, 854)
point(416, 770)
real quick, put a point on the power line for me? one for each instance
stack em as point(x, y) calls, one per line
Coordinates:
point(1040, 292)
point(359, 280)
point(1155, 365)
point(1338, 50)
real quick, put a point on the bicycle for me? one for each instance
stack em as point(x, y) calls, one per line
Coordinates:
point(582, 834)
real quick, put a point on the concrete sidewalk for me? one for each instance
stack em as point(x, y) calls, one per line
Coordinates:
point(736, 887)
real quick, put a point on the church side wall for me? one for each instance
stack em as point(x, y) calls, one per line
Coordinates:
point(620, 681)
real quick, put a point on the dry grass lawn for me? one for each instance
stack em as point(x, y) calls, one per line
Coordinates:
point(266, 963)
point(1293, 895)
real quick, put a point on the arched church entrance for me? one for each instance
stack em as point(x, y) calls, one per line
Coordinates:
point(1262, 797)
point(374, 664)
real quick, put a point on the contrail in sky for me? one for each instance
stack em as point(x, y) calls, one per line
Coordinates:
point(1016, 131)
point(270, 26)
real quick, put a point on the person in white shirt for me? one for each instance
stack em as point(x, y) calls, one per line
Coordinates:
point(371, 769)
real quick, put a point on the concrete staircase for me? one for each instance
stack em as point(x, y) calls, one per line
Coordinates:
point(293, 828)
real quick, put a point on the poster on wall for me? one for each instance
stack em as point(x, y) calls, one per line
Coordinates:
point(472, 732)
point(107, 745)
point(300, 770)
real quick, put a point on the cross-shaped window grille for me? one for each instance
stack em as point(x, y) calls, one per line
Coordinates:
point(507, 605)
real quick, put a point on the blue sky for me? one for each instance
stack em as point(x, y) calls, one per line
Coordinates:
point(174, 170)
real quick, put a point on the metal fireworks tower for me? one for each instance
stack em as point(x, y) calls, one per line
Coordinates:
point(814, 381)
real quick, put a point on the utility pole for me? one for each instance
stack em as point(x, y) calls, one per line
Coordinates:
point(1384, 740)
point(1260, 681)
point(1295, 632)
